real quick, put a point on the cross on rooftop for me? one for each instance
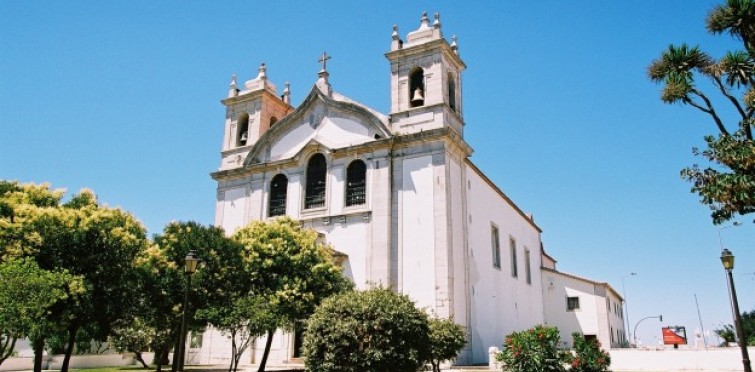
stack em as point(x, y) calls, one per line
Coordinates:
point(324, 59)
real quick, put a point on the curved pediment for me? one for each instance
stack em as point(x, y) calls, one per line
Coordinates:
point(332, 123)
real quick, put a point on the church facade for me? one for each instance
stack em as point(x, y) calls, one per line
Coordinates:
point(396, 193)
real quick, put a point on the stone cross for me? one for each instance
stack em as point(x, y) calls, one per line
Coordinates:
point(324, 59)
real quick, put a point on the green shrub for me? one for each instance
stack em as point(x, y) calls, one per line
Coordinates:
point(532, 350)
point(446, 340)
point(367, 331)
point(588, 357)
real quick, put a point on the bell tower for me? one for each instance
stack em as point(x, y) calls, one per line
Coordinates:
point(250, 113)
point(425, 80)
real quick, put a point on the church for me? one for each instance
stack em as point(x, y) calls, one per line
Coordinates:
point(395, 193)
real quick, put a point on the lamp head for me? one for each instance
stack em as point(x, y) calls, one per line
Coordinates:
point(727, 259)
point(190, 263)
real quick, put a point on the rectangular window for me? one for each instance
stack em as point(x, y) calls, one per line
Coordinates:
point(514, 268)
point(611, 334)
point(572, 303)
point(196, 340)
point(527, 268)
point(496, 246)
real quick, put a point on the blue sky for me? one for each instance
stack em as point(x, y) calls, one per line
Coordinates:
point(123, 98)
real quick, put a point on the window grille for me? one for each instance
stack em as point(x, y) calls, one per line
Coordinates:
point(315, 194)
point(278, 193)
point(356, 182)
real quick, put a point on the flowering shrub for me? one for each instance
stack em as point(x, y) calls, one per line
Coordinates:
point(588, 356)
point(533, 350)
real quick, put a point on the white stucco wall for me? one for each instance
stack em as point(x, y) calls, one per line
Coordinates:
point(616, 320)
point(332, 132)
point(595, 315)
point(500, 303)
point(417, 231)
point(233, 209)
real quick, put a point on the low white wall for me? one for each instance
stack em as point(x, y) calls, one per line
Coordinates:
point(19, 364)
point(669, 360)
point(92, 361)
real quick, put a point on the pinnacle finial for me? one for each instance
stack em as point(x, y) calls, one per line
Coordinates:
point(394, 34)
point(287, 93)
point(233, 90)
point(263, 72)
point(436, 22)
point(424, 21)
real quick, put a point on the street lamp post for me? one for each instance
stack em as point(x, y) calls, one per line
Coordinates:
point(721, 245)
point(626, 305)
point(660, 318)
point(727, 259)
point(190, 267)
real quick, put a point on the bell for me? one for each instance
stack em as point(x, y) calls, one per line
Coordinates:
point(417, 97)
point(243, 138)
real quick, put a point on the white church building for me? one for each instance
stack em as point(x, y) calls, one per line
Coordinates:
point(395, 192)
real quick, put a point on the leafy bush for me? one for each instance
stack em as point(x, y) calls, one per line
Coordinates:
point(532, 350)
point(446, 340)
point(588, 357)
point(367, 331)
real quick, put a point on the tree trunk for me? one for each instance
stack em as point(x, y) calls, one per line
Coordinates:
point(69, 350)
point(38, 344)
point(162, 351)
point(161, 356)
point(268, 344)
point(234, 360)
point(174, 365)
point(7, 348)
point(140, 359)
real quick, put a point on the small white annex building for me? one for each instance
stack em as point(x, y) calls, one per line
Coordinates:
point(576, 304)
point(396, 193)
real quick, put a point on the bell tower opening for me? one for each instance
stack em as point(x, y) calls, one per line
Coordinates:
point(417, 88)
point(242, 133)
point(451, 91)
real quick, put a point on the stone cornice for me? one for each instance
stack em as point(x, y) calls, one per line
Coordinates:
point(446, 134)
point(424, 47)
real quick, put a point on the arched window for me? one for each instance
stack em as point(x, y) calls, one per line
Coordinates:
point(278, 192)
point(242, 134)
point(356, 191)
point(314, 195)
point(417, 88)
point(451, 91)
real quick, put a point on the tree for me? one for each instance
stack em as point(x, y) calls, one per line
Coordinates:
point(247, 318)
point(588, 356)
point(532, 350)
point(372, 331)
point(290, 270)
point(27, 293)
point(89, 240)
point(133, 336)
point(728, 331)
point(446, 340)
point(163, 281)
point(728, 186)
